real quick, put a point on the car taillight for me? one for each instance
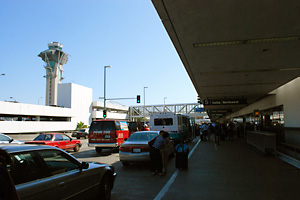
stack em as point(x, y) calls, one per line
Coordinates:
point(125, 149)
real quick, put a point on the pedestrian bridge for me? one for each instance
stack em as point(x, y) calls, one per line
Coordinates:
point(191, 109)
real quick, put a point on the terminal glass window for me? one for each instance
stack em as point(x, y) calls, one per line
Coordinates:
point(277, 118)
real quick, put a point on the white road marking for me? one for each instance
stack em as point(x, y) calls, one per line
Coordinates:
point(165, 189)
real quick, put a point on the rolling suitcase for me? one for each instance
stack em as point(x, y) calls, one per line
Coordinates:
point(181, 159)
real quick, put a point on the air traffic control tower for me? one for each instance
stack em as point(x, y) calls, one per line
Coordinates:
point(54, 59)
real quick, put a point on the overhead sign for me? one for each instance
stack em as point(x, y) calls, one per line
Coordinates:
point(256, 113)
point(220, 111)
point(199, 110)
point(216, 102)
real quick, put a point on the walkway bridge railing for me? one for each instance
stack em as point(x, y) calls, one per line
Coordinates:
point(191, 109)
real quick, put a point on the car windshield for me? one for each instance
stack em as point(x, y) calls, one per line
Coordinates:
point(142, 136)
point(43, 137)
point(81, 130)
point(4, 138)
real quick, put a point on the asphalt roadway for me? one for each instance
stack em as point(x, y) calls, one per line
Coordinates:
point(231, 171)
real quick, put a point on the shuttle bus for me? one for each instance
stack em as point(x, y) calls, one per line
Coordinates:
point(180, 127)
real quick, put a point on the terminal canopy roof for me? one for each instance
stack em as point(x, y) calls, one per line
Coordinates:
point(234, 51)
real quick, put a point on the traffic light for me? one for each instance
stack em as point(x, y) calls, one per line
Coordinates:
point(138, 98)
point(104, 113)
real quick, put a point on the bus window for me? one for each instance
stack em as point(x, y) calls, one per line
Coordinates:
point(163, 122)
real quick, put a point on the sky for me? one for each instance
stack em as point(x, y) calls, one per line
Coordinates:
point(125, 34)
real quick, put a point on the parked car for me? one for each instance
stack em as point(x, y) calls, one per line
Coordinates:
point(59, 140)
point(5, 139)
point(84, 132)
point(45, 172)
point(136, 148)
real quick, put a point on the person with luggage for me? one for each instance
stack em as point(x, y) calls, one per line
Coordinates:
point(155, 155)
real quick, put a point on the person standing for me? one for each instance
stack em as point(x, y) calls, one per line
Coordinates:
point(155, 154)
point(165, 152)
point(145, 128)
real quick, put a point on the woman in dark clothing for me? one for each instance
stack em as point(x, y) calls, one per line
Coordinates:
point(155, 155)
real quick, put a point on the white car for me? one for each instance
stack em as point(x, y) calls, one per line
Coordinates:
point(136, 148)
point(5, 139)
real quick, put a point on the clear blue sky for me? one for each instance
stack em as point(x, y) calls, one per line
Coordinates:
point(128, 35)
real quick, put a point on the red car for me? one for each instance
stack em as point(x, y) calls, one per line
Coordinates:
point(59, 140)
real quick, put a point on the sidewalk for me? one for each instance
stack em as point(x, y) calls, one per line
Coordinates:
point(232, 171)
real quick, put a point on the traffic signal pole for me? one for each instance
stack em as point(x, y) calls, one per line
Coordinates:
point(104, 111)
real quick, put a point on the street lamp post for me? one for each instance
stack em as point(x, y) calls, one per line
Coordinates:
point(144, 105)
point(105, 86)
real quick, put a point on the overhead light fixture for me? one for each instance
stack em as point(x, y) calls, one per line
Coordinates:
point(250, 41)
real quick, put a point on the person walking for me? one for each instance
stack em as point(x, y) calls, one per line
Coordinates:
point(155, 154)
point(217, 131)
point(204, 131)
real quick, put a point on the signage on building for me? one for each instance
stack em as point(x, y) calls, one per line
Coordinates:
point(199, 110)
point(215, 102)
point(256, 113)
point(220, 111)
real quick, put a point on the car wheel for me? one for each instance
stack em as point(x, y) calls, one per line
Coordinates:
point(125, 163)
point(85, 137)
point(78, 138)
point(105, 187)
point(76, 148)
point(98, 149)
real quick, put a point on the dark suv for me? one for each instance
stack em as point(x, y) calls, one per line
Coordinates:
point(84, 132)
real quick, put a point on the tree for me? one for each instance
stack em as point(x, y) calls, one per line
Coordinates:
point(80, 125)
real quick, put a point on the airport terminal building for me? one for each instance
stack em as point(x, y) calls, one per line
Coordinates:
point(74, 104)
